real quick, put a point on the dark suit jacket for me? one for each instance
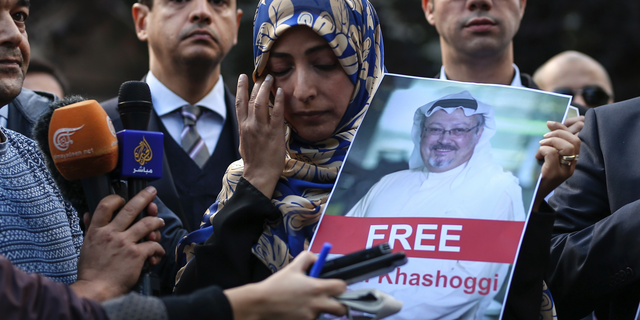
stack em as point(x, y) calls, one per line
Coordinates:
point(25, 109)
point(595, 250)
point(165, 185)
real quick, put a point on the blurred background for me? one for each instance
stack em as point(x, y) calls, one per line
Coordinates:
point(93, 42)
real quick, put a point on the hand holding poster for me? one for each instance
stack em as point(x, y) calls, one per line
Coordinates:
point(443, 171)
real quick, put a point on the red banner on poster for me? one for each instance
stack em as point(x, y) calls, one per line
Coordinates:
point(437, 238)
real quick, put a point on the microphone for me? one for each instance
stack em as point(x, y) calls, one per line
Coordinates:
point(79, 143)
point(141, 150)
point(140, 155)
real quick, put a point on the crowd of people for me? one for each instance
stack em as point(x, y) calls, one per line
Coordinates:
point(246, 178)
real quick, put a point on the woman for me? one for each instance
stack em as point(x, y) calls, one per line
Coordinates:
point(321, 60)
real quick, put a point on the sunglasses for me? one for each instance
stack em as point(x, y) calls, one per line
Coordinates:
point(593, 95)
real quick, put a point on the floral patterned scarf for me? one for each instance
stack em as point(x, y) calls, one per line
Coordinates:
point(352, 29)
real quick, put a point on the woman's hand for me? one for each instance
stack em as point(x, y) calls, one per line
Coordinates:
point(288, 294)
point(262, 145)
point(560, 142)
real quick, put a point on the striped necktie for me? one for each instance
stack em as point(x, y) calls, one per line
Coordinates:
point(192, 143)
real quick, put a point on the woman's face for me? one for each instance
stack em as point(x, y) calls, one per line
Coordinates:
point(317, 91)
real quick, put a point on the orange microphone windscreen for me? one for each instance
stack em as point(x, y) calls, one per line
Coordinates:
point(82, 140)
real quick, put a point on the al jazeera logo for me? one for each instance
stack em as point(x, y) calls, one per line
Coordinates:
point(143, 154)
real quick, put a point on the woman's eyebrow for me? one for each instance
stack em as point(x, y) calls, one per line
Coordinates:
point(307, 52)
point(317, 48)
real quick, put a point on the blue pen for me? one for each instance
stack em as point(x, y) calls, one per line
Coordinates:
point(317, 267)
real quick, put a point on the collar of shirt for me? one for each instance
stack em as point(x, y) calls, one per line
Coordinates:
point(166, 101)
point(517, 82)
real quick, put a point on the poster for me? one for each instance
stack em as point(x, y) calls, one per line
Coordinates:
point(444, 171)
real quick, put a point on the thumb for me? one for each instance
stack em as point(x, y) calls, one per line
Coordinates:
point(303, 261)
point(86, 219)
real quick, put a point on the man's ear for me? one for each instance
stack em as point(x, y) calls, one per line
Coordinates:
point(140, 13)
point(523, 4)
point(480, 131)
point(427, 7)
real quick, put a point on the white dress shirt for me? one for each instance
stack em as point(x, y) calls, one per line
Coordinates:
point(517, 82)
point(210, 123)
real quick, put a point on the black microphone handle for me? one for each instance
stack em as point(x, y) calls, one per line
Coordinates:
point(95, 189)
point(134, 107)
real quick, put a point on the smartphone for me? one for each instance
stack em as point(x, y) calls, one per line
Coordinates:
point(362, 265)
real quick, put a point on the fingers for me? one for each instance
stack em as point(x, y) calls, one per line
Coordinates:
point(303, 261)
point(151, 250)
point(553, 125)
point(154, 236)
point(130, 211)
point(574, 124)
point(86, 219)
point(242, 97)
point(333, 287)
point(144, 227)
point(252, 100)
point(277, 114)
point(261, 101)
point(334, 307)
point(104, 211)
point(564, 141)
point(152, 209)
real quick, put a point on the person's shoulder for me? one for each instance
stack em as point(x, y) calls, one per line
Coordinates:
point(110, 106)
point(31, 104)
point(22, 142)
point(616, 118)
point(626, 107)
point(527, 81)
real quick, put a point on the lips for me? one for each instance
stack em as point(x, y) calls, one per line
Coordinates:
point(481, 24)
point(11, 62)
point(199, 33)
point(310, 115)
point(443, 147)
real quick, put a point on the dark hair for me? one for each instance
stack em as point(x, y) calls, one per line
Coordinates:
point(40, 65)
point(148, 3)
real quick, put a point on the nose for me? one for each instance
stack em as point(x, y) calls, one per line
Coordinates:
point(202, 12)
point(10, 34)
point(577, 98)
point(484, 5)
point(444, 136)
point(305, 89)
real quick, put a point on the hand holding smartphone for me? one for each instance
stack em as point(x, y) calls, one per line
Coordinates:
point(364, 264)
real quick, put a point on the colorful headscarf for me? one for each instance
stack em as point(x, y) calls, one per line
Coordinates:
point(352, 29)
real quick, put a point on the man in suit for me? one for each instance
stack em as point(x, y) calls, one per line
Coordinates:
point(594, 251)
point(187, 42)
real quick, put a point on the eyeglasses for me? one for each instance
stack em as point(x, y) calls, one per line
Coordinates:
point(455, 132)
point(593, 95)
